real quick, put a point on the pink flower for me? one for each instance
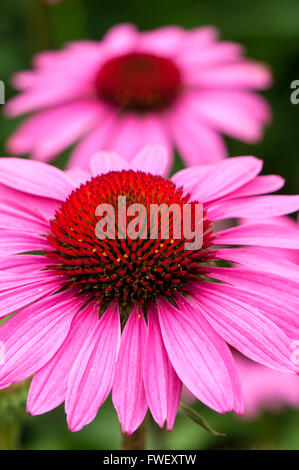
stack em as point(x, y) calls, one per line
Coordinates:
point(264, 388)
point(171, 86)
point(176, 324)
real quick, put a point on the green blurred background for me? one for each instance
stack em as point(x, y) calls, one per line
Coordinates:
point(269, 29)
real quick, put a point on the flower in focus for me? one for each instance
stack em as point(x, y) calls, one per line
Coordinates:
point(141, 316)
point(179, 88)
point(264, 388)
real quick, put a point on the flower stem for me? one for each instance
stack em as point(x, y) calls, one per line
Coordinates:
point(38, 25)
point(137, 440)
point(9, 436)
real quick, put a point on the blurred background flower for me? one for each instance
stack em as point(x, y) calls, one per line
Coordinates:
point(170, 86)
point(269, 32)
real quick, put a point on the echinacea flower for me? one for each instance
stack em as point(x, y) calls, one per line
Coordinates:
point(265, 389)
point(140, 316)
point(180, 88)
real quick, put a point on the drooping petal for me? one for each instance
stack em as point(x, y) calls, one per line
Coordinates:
point(268, 284)
point(259, 234)
point(216, 181)
point(278, 310)
point(35, 178)
point(94, 142)
point(260, 260)
point(49, 385)
point(245, 328)
point(46, 134)
point(239, 75)
point(133, 132)
point(17, 297)
point(33, 336)
point(196, 142)
point(92, 373)
point(254, 207)
point(19, 264)
point(45, 206)
point(242, 115)
point(128, 393)
point(191, 59)
point(16, 216)
point(162, 385)
point(12, 242)
point(200, 357)
point(260, 185)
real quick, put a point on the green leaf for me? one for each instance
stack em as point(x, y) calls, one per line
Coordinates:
point(191, 414)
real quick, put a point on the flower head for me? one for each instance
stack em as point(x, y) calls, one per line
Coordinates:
point(171, 86)
point(141, 315)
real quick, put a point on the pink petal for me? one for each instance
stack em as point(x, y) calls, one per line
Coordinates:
point(242, 75)
point(92, 373)
point(132, 133)
point(20, 242)
point(16, 216)
point(19, 264)
point(121, 39)
point(276, 309)
point(152, 159)
point(49, 385)
point(162, 385)
point(50, 131)
point(35, 178)
point(32, 336)
point(128, 394)
point(46, 134)
point(54, 91)
point(212, 182)
point(200, 357)
point(260, 185)
point(196, 142)
point(242, 115)
point(77, 176)
point(103, 162)
point(269, 284)
point(163, 41)
point(27, 292)
point(45, 206)
point(96, 140)
point(259, 234)
point(260, 260)
point(245, 328)
point(214, 54)
point(255, 207)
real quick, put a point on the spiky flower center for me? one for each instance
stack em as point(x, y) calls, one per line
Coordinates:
point(139, 81)
point(122, 267)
